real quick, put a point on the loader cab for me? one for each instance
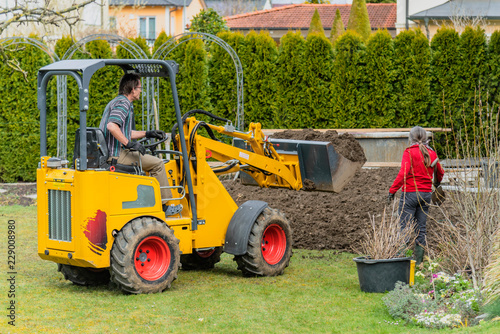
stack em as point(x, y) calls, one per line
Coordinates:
point(90, 152)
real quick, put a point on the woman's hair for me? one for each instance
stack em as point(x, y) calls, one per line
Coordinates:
point(128, 82)
point(419, 136)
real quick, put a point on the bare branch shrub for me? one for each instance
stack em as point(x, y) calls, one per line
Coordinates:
point(465, 238)
point(386, 239)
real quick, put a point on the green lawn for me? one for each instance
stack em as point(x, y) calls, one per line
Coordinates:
point(319, 293)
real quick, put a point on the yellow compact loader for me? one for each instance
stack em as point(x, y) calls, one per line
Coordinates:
point(100, 222)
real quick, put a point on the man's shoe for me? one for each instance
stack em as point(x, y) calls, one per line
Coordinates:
point(172, 209)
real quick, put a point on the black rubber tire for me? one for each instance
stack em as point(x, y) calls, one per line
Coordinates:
point(252, 263)
point(84, 276)
point(197, 261)
point(123, 269)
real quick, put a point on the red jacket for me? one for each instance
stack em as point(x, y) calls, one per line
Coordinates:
point(413, 175)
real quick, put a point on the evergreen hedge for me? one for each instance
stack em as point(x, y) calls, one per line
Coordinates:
point(349, 80)
point(380, 95)
point(384, 82)
point(259, 54)
point(291, 106)
point(412, 61)
point(222, 75)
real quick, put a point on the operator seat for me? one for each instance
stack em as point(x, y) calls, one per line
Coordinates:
point(97, 153)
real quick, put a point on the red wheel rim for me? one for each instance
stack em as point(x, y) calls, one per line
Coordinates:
point(206, 253)
point(152, 258)
point(273, 244)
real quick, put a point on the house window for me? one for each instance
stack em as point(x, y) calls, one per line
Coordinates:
point(112, 22)
point(147, 28)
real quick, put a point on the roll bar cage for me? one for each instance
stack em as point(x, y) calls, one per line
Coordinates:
point(82, 71)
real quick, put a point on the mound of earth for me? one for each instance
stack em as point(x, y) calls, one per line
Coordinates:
point(325, 220)
point(344, 144)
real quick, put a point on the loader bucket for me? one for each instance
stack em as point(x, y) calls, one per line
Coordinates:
point(321, 167)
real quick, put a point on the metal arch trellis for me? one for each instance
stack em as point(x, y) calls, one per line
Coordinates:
point(31, 41)
point(149, 114)
point(171, 44)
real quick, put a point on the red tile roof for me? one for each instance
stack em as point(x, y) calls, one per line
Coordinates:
point(382, 15)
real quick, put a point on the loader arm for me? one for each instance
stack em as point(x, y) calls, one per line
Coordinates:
point(264, 164)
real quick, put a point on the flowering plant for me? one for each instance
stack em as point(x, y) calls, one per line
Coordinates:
point(437, 300)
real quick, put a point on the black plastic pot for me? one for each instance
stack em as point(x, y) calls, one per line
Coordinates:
point(382, 275)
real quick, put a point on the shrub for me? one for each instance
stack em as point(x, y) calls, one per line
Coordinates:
point(380, 97)
point(348, 81)
point(316, 26)
point(359, 20)
point(318, 62)
point(412, 61)
point(222, 75)
point(291, 86)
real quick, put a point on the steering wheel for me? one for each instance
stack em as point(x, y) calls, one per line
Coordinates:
point(152, 146)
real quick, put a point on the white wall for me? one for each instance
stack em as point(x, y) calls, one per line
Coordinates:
point(414, 6)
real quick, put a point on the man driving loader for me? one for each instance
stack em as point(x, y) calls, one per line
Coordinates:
point(118, 126)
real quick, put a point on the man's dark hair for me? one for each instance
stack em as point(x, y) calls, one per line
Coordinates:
point(128, 82)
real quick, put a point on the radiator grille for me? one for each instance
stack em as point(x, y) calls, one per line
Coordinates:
point(60, 215)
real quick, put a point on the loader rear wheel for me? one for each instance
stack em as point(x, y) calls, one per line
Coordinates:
point(269, 246)
point(145, 256)
point(201, 260)
point(84, 276)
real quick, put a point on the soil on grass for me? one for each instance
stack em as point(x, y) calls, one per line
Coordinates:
point(17, 194)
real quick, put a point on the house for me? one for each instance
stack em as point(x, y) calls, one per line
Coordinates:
point(93, 19)
point(233, 7)
point(429, 15)
point(280, 3)
point(278, 21)
point(147, 18)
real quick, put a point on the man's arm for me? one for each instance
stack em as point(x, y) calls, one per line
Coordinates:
point(115, 130)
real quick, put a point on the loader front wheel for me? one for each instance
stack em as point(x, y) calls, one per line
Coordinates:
point(145, 256)
point(201, 260)
point(269, 246)
point(84, 276)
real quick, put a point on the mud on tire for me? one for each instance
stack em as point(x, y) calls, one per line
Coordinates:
point(201, 260)
point(84, 276)
point(145, 257)
point(269, 246)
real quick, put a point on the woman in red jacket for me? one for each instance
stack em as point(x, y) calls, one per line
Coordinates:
point(415, 179)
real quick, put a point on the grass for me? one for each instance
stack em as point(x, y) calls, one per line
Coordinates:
point(319, 293)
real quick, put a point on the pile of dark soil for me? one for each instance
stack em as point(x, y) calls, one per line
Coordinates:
point(344, 144)
point(324, 220)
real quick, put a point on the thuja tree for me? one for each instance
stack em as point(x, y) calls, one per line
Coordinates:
point(104, 83)
point(316, 26)
point(222, 75)
point(412, 60)
point(494, 68)
point(472, 67)
point(318, 63)
point(446, 77)
point(359, 20)
point(380, 96)
point(292, 107)
point(160, 40)
point(259, 55)
point(19, 115)
point(348, 81)
point(337, 27)
point(192, 80)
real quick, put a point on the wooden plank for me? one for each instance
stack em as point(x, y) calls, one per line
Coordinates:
point(271, 131)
